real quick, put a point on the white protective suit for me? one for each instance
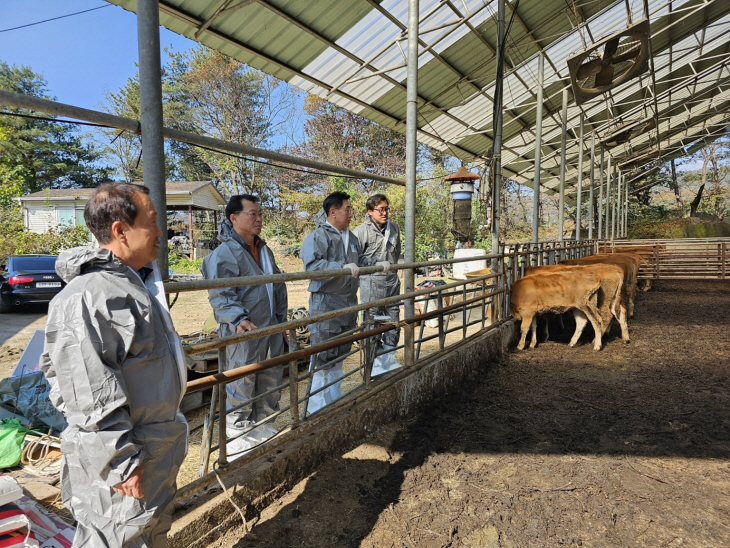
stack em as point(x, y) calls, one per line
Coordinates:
point(263, 305)
point(117, 373)
point(324, 249)
point(381, 246)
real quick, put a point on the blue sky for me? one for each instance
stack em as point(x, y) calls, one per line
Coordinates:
point(81, 57)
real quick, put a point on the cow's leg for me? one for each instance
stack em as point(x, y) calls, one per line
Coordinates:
point(580, 323)
point(533, 342)
point(594, 316)
point(597, 328)
point(623, 323)
point(524, 328)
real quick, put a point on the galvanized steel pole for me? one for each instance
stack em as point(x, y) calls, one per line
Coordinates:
point(411, 147)
point(579, 186)
point(619, 204)
point(150, 103)
point(538, 151)
point(592, 183)
point(614, 197)
point(626, 210)
point(133, 126)
point(497, 128)
point(563, 144)
point(608, 195)
point(599, 205)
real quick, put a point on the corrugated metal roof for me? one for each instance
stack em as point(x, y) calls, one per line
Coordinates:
point(352, 52)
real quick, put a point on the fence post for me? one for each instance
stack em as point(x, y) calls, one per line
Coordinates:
point(293, 383)
point(222, 397)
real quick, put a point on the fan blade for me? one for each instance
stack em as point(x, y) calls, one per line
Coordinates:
point(605, 76)
point(610, 49)
point(628, 55)
point(586, 70)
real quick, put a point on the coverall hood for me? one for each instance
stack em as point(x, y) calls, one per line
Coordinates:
point(72, 262)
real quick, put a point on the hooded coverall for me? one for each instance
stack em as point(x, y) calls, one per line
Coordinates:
point(263, 305)
point(117, 373)
point(379, 246)
point(324, 249)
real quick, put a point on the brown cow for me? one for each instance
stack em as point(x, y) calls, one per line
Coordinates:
point(612, 299)
point(628, 262)
point(556, 292)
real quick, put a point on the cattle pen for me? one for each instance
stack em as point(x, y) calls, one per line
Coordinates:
point(550, 447)
point(467, 364)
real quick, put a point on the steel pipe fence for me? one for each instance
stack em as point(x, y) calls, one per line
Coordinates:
point(682, 259)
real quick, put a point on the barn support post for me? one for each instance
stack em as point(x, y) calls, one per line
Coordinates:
point(579, 182)
point(614, 197)
point(190, 232)
point(619, 205)
point(538, 152)
point(592, 183)
point(626, 211)
point(608, 196)
point(599, 208)
point(150, 101)
point(411, 146)
point(561, 201)
point(497, 125)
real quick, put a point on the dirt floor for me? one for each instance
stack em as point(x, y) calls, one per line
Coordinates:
point(554, 447)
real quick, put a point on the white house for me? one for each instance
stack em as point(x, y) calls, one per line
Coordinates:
point(50, 208)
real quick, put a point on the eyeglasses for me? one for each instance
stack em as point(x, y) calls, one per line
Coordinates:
point(252, 214)
point(347, 210)
point(382, 210)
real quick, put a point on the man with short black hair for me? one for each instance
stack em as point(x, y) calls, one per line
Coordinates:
point(117, 373)
point(332, 246)
point(380, 240)
point(237, 309)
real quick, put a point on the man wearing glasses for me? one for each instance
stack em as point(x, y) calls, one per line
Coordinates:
point(238, 309)
point(332, 246)
point(380, 240)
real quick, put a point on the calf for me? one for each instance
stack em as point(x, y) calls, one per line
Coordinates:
point(556, 292)
point(612, 298)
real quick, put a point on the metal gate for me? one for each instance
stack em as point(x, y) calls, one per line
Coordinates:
point(685, 259)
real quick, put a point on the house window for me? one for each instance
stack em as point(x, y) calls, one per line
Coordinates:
point(65, 216)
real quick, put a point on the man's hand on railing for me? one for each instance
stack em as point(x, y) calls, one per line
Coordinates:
point(354, 269)
point(384, 264)
point(245, 325)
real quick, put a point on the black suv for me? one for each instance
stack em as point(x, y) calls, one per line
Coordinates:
point(28, 279)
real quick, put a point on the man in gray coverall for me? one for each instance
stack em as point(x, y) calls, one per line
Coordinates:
point(238, 309)
point(380, 239)
point(332, 246)
point(117, 373)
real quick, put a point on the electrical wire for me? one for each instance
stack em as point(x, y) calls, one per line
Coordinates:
point(55, 18)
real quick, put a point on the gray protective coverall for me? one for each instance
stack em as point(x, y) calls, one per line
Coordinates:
point(117, 374)
point(381, 246)
point(324, 249)
point(263, 305)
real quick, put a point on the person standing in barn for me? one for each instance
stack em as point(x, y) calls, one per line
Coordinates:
point(332, 246)
point(380, 240)
point(117, 374)
point(238, 309)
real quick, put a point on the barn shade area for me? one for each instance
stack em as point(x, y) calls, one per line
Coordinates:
point(552, 447)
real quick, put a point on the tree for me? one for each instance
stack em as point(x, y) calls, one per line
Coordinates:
point(41, 153)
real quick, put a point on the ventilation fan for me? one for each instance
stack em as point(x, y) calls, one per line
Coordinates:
point(628, 131)
point(610, 62)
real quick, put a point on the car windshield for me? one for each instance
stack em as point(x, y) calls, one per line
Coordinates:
point(34, 264)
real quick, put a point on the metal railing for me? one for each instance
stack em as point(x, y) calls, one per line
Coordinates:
point(682, 259)
point(454, 312)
